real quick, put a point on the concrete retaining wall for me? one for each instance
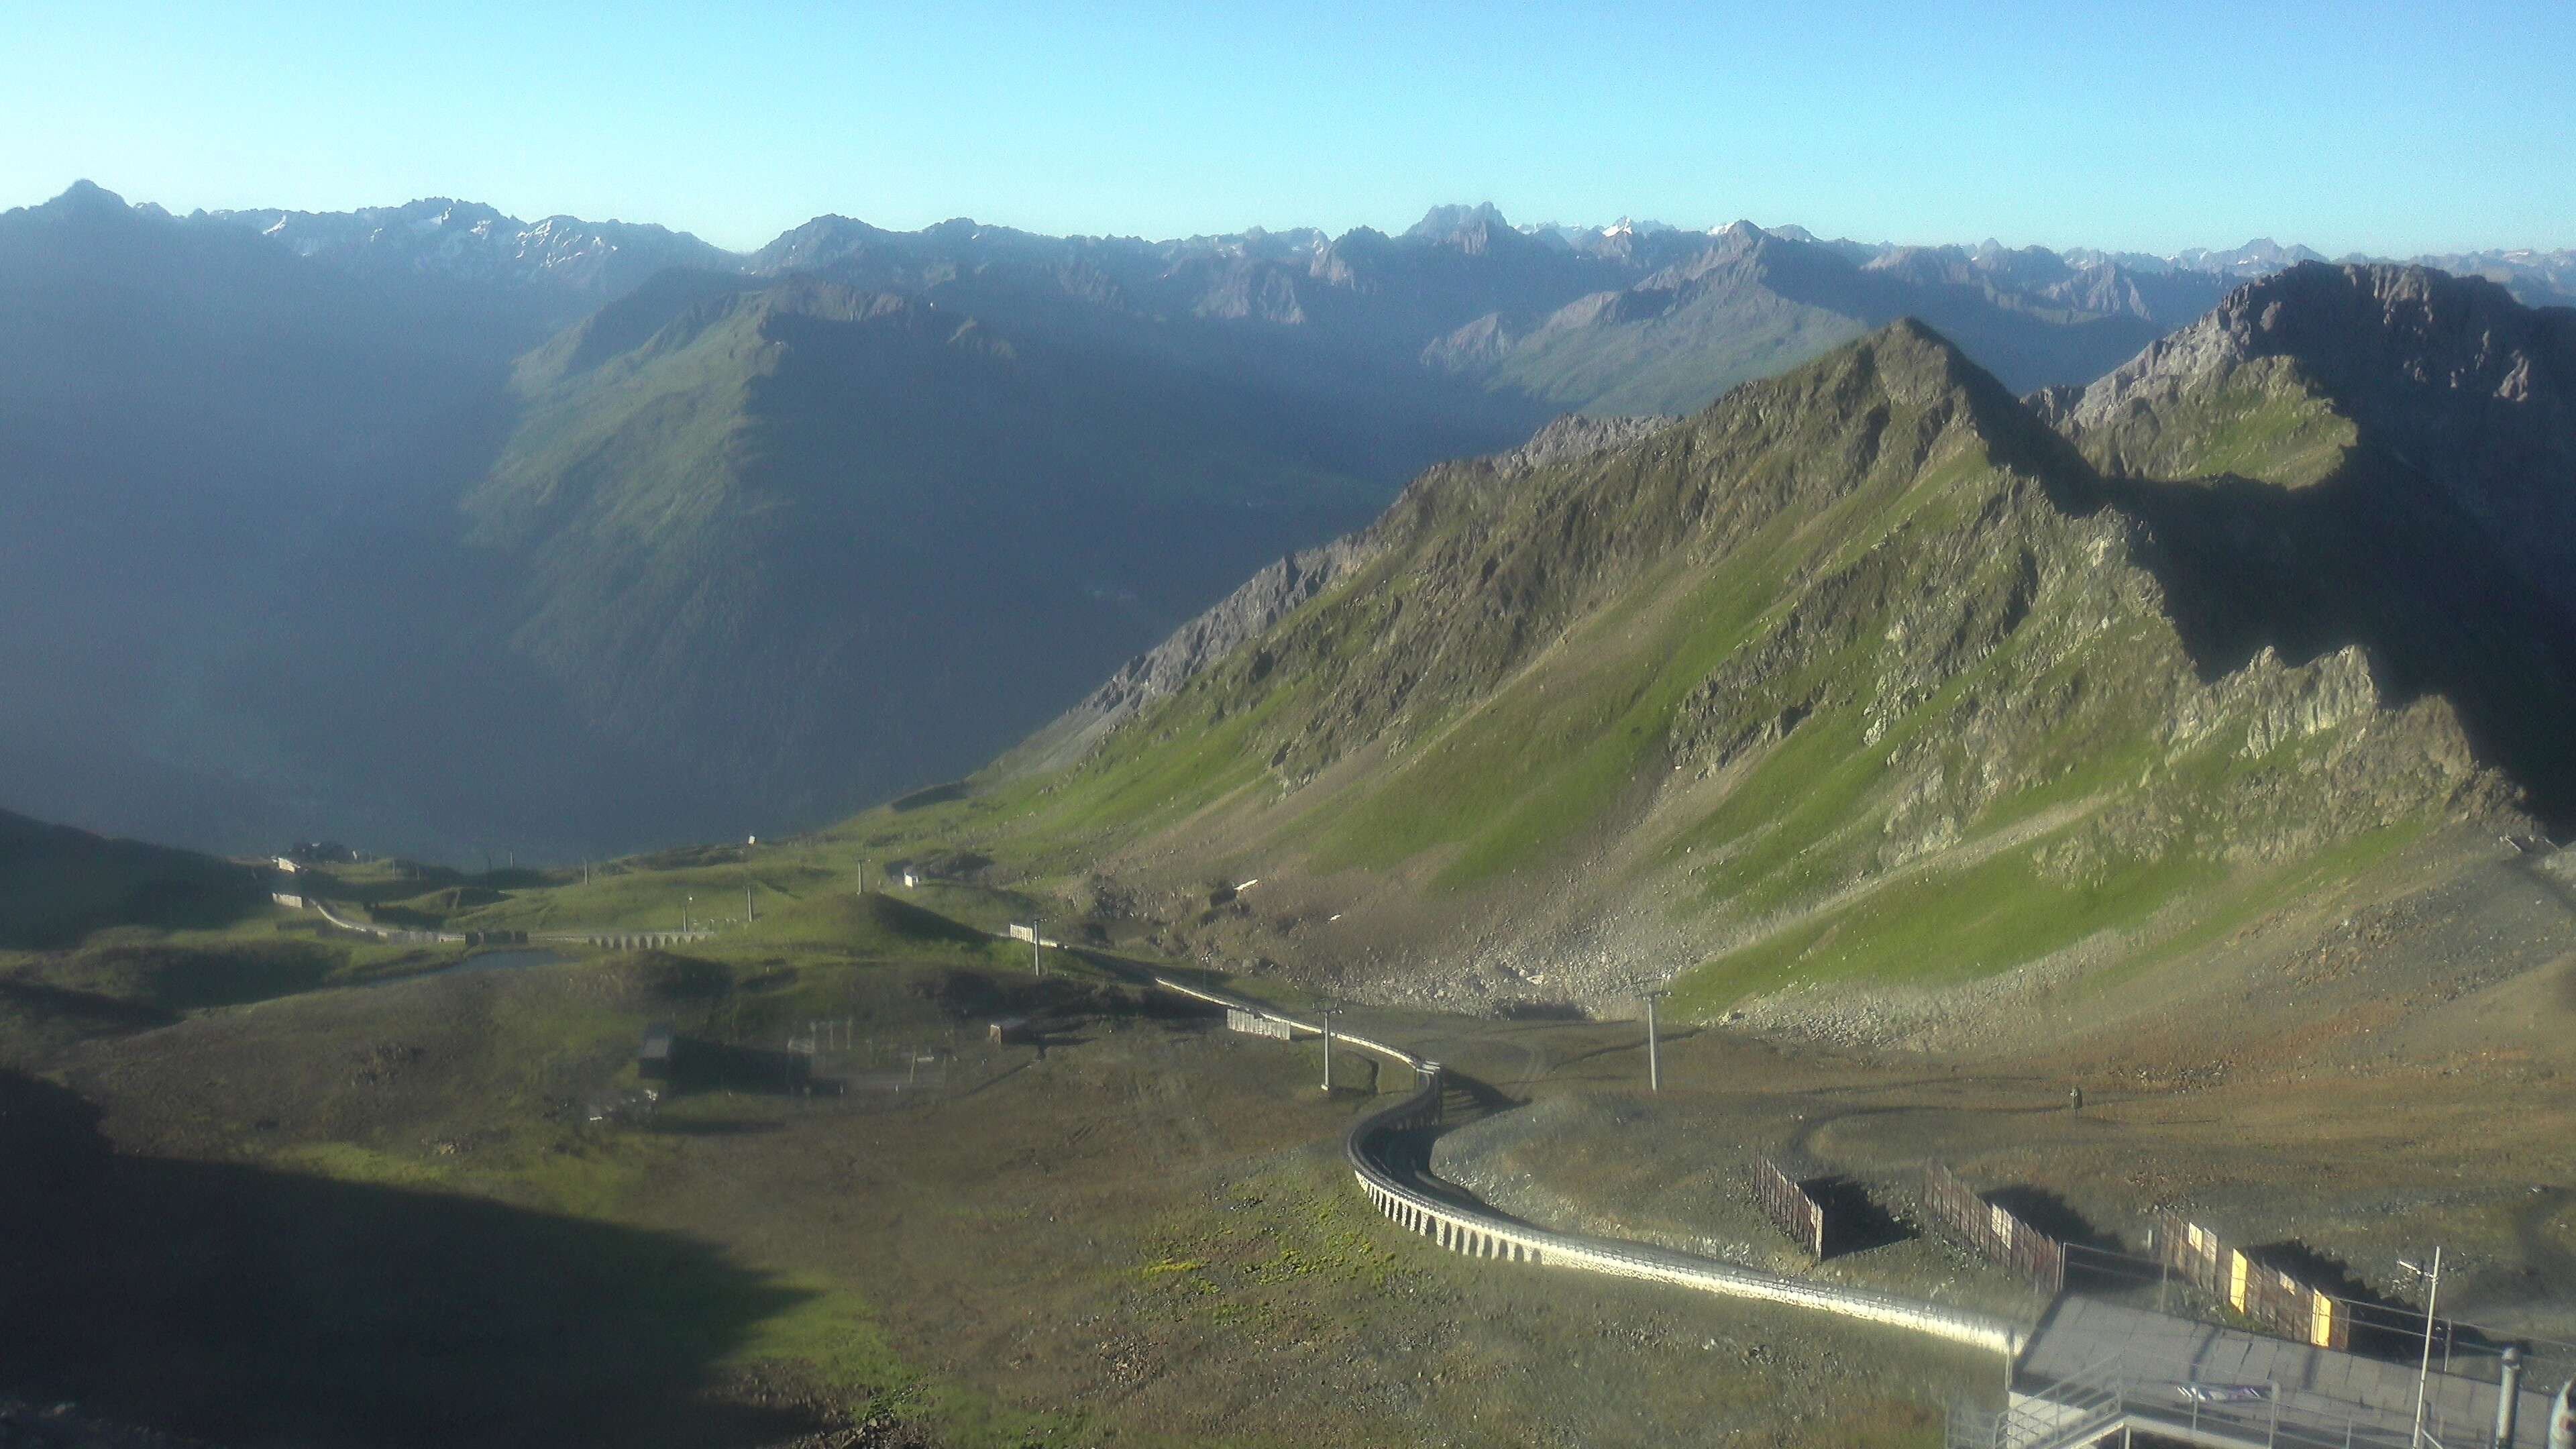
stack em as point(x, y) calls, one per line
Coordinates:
point(605, 940)
point(623, 940)
point(1483, 1235)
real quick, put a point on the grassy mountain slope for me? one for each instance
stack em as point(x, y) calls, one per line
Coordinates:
point(1862, 676)
point(57, 884)
point(889, 534)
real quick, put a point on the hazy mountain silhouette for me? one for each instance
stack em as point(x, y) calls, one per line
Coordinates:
point(431, 527)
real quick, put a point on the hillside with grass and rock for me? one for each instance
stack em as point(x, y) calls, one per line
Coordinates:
point(1937, 755)
point(893, 532)
point(1866, 700)
point(326, 492)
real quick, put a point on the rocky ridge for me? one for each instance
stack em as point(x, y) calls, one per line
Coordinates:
point(1271, 595)
point(2449, 379)
point(1573, 438)
point(1856, 650)
point(1262, 601)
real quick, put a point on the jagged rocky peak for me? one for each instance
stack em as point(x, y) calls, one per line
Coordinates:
point(2401, 337)
point(584, 260)
point(442, 213)
point(2407, 384)
point(1476, 230)
point(87, 194)
point(1735, 239)
point(2256, 257)
point(1638, 226)
point(815, 243)
point(1444, 221)
point(87, 201)
point(1918, 367)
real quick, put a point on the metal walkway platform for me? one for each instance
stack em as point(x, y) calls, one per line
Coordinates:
point(2093, 1369)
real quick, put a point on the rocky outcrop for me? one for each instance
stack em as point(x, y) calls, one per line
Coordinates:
point(2446, 378)
point(2391, 334)
point(1272, 595)
point(1574, 438)
point(1265, 599)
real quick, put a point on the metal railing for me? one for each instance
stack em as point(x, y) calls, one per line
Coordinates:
point(2085, 1409)
point(2461, 1348)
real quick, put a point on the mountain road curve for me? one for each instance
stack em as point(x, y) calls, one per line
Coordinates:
point(1388, 1156)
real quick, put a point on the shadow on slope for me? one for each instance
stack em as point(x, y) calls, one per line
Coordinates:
point(246, 1305)
point(58, 884)
point(2372, 556)
point(176, 978)
point(81, 1012)
point(1855, 1221)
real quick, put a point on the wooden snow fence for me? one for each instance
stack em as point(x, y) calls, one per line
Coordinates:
point(1787, 1204)
point(1991, 1231)
point(2268, 1296)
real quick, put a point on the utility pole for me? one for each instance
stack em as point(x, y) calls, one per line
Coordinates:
point(685, 903)
point(1654, 1061)
point(748, 915)
point(2432, 1300)
point(863, 875)
point(1328, 1052)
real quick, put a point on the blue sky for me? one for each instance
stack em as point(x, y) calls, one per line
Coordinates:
point(2381, 128)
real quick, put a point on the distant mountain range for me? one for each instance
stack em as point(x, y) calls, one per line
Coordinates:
point(583, 263)
point(597, 261)
point(427, 526)
point(1629, 317)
